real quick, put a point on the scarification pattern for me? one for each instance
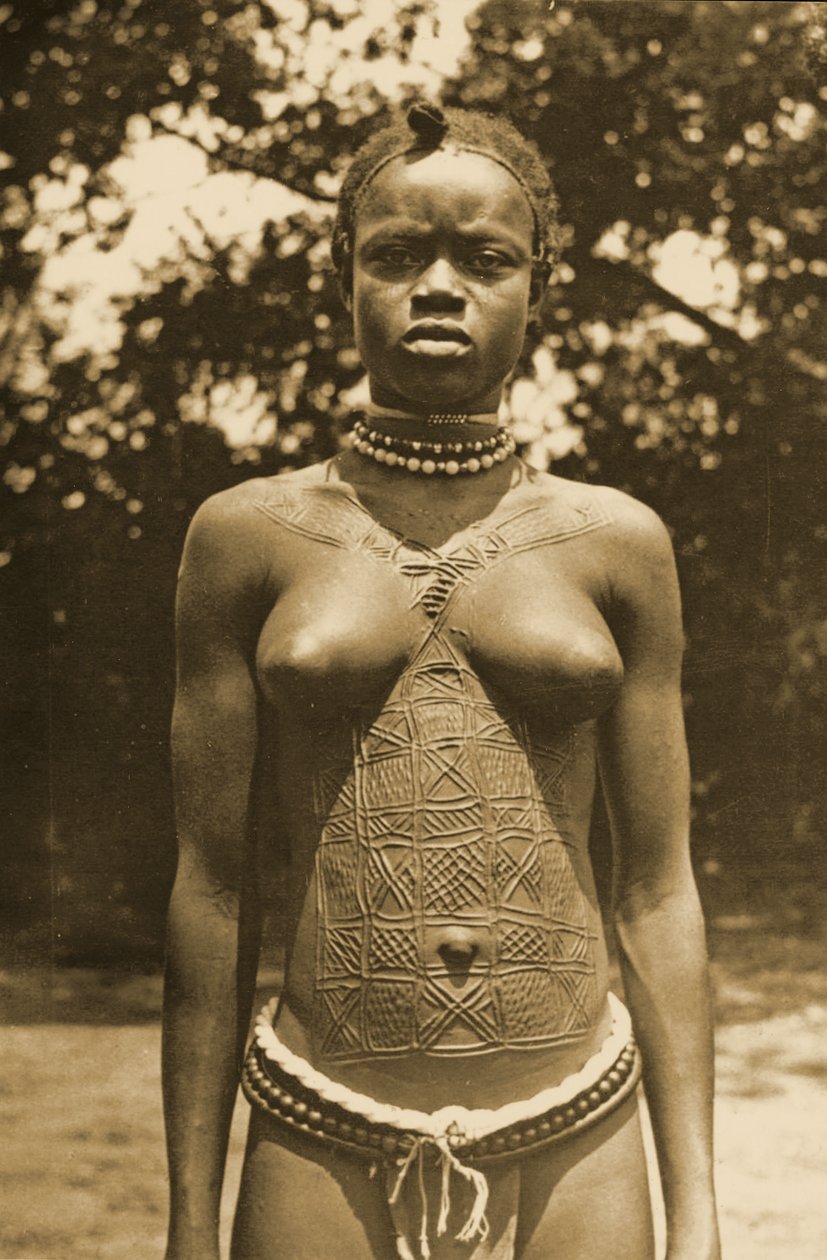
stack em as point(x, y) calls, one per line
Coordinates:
point(449, 814)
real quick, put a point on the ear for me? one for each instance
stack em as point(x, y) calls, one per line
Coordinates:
point(540, 273)
point(346, 287)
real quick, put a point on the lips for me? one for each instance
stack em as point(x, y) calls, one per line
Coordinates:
point(432, 331)
point(436, 338)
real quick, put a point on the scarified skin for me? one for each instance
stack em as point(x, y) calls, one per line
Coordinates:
point(451, 815)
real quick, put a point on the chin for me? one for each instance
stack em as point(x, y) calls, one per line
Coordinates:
point(439, 387)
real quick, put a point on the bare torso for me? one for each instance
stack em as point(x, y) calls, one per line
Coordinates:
point(427, 757)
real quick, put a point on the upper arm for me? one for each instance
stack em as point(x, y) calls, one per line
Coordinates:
point(214, 726)
point(643, 759)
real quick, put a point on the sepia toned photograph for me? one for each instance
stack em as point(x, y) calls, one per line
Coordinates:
point(413, 507)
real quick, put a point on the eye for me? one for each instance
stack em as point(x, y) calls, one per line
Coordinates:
point(396, 256)
point(487, 260)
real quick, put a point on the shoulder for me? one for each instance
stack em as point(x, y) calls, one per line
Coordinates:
point(235, 514)
point(634, 525)
point(627, 523)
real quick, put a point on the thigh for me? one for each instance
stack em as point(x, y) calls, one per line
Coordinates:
point(588, 1199)
point(301, 1200)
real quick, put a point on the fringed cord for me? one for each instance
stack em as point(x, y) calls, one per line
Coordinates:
point(476, 1227)
point(424, 1245)
point(477, 1224)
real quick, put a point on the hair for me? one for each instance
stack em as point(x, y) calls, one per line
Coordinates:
point(426, 128)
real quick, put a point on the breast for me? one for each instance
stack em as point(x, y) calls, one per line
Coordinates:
point(548, 651)
point(336, 641)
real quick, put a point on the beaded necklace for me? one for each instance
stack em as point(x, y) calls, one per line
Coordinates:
point(418, 455)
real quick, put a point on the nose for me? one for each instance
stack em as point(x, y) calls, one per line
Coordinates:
point(439, 288)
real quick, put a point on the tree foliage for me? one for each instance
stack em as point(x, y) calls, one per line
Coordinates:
point(171, 324)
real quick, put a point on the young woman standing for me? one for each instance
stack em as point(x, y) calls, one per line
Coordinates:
point(399, 673)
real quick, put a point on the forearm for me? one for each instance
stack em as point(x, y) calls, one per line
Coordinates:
point(663, 960)
point(207, 1001)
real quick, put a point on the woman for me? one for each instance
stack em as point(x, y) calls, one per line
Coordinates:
point(398, 671)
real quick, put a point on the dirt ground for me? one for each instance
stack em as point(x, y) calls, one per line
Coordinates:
point(82, 1157)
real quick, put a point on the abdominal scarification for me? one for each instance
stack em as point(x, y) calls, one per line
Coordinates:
point(449, 814)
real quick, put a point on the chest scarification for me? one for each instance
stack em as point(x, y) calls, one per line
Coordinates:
point(449, 814)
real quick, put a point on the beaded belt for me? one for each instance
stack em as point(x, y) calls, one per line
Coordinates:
point(294, 1093)
point(282, 1095)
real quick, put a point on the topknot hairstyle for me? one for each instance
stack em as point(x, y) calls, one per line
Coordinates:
point(423, 129)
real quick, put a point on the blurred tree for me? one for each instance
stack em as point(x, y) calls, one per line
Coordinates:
point(171, 325)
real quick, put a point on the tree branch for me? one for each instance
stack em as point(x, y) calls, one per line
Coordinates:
point(649, 288)
point(795, 358)
point(249, 168)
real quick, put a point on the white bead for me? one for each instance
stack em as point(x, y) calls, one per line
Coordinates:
point(452, 467)
point(473, 465)
point(428, 467)
point(414, 464)
point(380, 455)
point(487, 461)
point(391, 458)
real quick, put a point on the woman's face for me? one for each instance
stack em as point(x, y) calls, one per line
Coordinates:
point(442, 281)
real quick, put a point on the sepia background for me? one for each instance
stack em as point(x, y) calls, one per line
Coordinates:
point(170, 325)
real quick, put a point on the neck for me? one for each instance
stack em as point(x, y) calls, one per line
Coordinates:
point(434, 419)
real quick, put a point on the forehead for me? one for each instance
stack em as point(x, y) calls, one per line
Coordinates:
point(447, 188)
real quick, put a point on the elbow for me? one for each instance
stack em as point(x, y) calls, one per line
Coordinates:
point(197, 896)
point(671, 894)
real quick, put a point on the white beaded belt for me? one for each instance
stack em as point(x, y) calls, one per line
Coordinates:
point(287, 1087)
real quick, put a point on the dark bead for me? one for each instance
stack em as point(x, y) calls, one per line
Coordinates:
point(499, 1142)
point(273, 1091)
point(529, 1135)
point(374, 1138)
point(571, 1115)
point(361, 1136)
point(604, 1089)
point(544, 1128)
point(614, 1078)
point(582, 1106)
point(558, 1122)
point(594, 1098)
point(314, 1119)
point(389, 1144)
point(514, 1140)
point(481, 1147)
point(345, 1129)
point(300, 1110)
point(329, 1124)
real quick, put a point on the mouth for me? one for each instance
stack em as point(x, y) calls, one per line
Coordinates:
point(437, 339)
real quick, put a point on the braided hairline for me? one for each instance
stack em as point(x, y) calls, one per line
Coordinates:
point(396, 140)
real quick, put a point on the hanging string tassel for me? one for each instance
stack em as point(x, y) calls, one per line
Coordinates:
point(476, 1227)
point(424, 1245)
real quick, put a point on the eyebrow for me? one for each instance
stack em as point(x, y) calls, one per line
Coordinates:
point(409, 230)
